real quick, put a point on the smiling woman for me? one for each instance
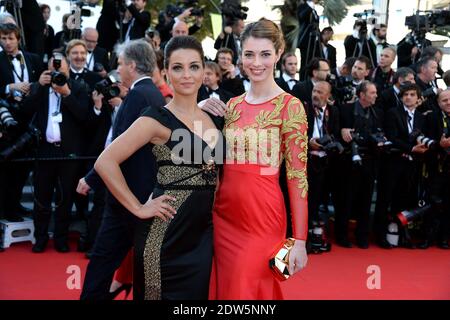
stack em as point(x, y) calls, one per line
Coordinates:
point(249, 213)
point(173, 244)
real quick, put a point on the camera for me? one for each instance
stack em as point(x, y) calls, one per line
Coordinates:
point(362, 21)
point(29, 138)
point(330, 145)
point(420, 138)
point(357, 140)
point(57, 77)
point(345, 91)
point(430, 92)
point(175, 10)
point(379, 138)
point(429, 20)
point(107, 88)
point(232, 11)
point(6, 119)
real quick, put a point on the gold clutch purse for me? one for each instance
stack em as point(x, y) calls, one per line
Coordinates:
point(279, 263)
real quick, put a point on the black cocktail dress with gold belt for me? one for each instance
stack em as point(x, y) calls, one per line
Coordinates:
point(173, 259)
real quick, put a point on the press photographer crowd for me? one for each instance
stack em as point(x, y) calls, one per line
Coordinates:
point(379, 134)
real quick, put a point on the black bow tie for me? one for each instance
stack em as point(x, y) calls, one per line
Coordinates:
point(213, 91)
point(17, 56)
point(293, 80)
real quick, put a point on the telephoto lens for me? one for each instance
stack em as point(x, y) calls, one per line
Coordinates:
point(58, 78)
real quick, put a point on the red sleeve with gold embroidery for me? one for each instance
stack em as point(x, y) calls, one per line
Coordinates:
point(294, 135)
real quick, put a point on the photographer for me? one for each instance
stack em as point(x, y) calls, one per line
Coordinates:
point(346, 86)
point(359, 122)
point(136, 20)
point(378, 37)
point(389, 98)
point(426, 80)
point(329, 51)
point(399, 181)
point(323, 127)
point(317, 70)
point(383, 74)
point(360, 44)
point(437, 221)
point(173, 15)
point(61, 107)
point(97, 57)
point(410, 48)
point(229, 38)
point(18, 69)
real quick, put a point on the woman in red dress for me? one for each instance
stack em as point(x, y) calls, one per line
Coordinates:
point(262, 127)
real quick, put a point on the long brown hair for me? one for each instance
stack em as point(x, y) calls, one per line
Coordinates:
point(264, 29)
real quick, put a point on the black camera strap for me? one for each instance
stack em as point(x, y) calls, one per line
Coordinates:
point(22, 68)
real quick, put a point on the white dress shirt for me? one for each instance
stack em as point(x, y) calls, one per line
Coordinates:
point(53, 131)
point(289, 80)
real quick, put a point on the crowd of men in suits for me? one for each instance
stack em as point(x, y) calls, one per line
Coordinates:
point(366, 122)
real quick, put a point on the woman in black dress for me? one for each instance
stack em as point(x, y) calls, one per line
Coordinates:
point(173, 247)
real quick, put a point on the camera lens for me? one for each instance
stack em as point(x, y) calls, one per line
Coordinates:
point(58, 78)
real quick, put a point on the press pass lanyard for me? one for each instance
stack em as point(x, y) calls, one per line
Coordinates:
point(22, 68)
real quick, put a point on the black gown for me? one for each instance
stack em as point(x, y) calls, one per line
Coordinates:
point(173, 259)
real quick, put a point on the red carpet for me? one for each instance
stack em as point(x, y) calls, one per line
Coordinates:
point(339, 274)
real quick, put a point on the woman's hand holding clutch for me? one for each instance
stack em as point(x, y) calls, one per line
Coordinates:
point(157, 207)
point(297, 257)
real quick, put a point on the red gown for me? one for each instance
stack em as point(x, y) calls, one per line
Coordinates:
point(249, 212)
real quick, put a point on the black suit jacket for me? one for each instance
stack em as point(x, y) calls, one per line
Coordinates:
point(434, 129)
point(101, 56)
point(396, 128)
point(140, 25)
point(404, 48)
point(140, 169)
point(87, 78)
point(108, 33)
point(331, 122)
point(32, 62)
point(303, 91)
point(74, 109)
point(284, 85)
point(204, 92)
point(430, 104)
point(97, 129)
point(331, 56)
point(388, 99)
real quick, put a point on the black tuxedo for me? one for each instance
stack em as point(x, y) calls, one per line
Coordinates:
point(234, 86)
point(140, 24)
point(101, 56)
point(357, 181)
point(115, 237)
point(14, 175)
point(388, 99)
point(331, 56)
point(303, 91)
point(397, 186)
point(61, 175)
point(86, 78)
point(204, 92)
point(284, 85)
point(431, 102)
point(381, 79)
point(320, 170)
point(49, 40)
point(32, 62)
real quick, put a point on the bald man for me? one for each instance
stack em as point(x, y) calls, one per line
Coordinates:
point(97, 58)
point(180, 28)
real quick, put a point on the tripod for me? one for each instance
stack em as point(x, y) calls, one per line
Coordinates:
point(365, 43)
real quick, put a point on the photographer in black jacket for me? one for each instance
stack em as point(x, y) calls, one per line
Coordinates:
point(136, 20)
point(437, 221)
point(360, 121)
point(398, 184)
